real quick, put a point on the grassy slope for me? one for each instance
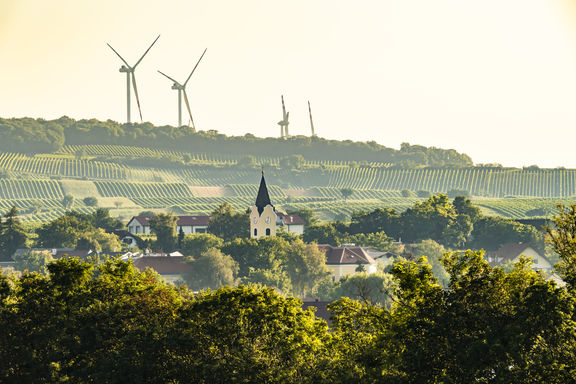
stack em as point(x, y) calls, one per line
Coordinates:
point(130, 179)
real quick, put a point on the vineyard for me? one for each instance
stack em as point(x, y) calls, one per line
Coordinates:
point(128, 179)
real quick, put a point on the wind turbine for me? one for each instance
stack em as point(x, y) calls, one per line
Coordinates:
point(311, 122)
point(182, 89)
point(129, 70)
point(284, 122)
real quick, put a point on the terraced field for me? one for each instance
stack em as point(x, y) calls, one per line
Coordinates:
point(127, 179)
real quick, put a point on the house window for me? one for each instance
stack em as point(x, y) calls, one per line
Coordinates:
point(131, 229)
point(267, 231)
point(137, 229)
point(255, 232)
point(200, 230)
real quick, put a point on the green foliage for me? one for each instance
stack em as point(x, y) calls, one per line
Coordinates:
point(67, 201)
point(407, 193)
point(492, 232)
point(86, 231)
point(212, 269)
point(562, 237)
point(346, 193)
point(306, 266)
point(90, 201)
point(196, 244)
point(276, 278)
point(33, 261)
point(374, 288)
point(12, 234)
point(164, 226)
point(227, 224)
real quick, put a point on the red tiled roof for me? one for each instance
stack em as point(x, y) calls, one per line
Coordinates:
point(182, 220)
point(290, 219)
point(164, 265)
point(345, 255)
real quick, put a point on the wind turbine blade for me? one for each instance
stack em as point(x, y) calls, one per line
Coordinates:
point(138, 62)
point(189, 111)
point(186, 82)
point(311, 122)
point(136, 93)
point(162, 73)
point(283, 109)
point(121, 58)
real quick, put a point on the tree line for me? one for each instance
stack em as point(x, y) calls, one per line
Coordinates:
point(109, 323)
point(43, 136)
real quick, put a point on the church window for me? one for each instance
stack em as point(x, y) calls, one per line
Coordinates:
point(267, 231)
point(255, 231)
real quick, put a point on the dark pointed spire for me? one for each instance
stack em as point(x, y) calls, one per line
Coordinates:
point(263, 199)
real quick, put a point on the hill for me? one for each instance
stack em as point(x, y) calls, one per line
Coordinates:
point(134, 167)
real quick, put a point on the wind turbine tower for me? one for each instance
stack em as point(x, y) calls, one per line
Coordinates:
point(129, 70)
point(311, 122)
point(181, 88)
point(284, 122)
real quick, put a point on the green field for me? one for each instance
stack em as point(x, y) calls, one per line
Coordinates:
point(129, 179)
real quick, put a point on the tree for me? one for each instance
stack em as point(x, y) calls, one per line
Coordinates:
point(212, 269)
point(322, 234)
point(380, 220)
point(562, 237)
point(266, 253)
point(407, 193)
point(197, 243)
point(62, 232)
point(490, 233)
point(292, 162)
point(32, 261)
point(67, 201)
point(164, 226)
point(346, 193)
point(306, 266)
point(308, 215)
point(12, 234)
point(90, 201)
point(98, 240)
point(227, 224)
point(374, 288)
point(433, 252)
point(274, 278)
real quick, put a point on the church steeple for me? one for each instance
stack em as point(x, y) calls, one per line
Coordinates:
point(263, 199)
point(263, 214)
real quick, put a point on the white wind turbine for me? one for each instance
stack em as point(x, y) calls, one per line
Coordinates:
point(284, 122)
point(129, 70)
point(182, 89)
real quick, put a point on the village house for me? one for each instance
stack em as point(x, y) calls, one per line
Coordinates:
point(510, 253)
point(347, 259)
point(171, 267)
point(186, 224)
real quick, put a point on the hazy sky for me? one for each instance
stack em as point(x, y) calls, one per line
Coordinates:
point(495, 79)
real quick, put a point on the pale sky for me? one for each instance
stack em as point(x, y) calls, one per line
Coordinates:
point(495, 79)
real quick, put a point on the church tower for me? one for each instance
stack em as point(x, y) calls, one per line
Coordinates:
point(263, 214)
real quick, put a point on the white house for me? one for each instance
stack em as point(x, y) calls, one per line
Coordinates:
point(291, 223)
point(345, 260)
point(188, 224)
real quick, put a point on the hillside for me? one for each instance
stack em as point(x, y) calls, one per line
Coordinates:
point(302, 172)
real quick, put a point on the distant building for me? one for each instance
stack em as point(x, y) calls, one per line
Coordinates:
point(291, 223)
point(171, 267)
point(263, 214)
point(345, 260)
point(188, 224)
point(510, 253)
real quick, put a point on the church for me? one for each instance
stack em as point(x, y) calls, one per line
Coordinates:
point(264, 220)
